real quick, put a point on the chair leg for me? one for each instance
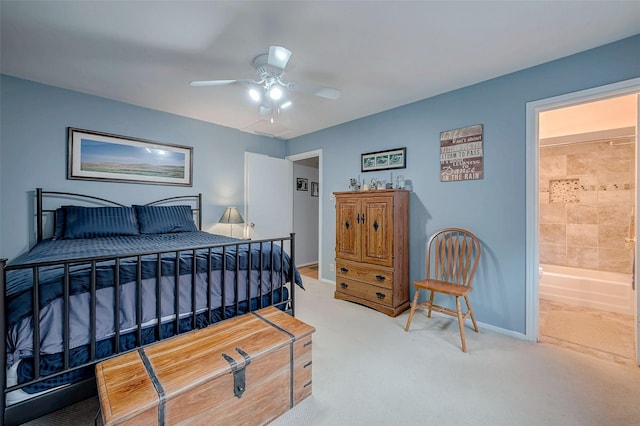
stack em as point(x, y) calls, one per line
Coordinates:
point(430, 304)
point(473, 318)
point(413, 309)
point(461, 325)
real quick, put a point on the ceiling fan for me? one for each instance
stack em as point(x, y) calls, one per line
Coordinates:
point(269, 89)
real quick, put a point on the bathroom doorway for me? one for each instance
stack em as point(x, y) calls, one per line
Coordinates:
point(587, 208)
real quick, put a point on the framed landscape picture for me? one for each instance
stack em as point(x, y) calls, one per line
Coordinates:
point(107, 157)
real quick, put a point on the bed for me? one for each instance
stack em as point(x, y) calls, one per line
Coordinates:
point(104, 279)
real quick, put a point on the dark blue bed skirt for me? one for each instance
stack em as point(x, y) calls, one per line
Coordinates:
point(52, 364)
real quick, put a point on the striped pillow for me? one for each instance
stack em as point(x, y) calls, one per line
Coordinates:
point(92, 222)
point(165, 219)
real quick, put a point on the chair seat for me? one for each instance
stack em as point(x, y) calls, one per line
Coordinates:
point(443, 287)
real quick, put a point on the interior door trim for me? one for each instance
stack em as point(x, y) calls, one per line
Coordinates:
point(532, 186)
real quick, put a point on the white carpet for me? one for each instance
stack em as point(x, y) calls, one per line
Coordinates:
point(368, 371)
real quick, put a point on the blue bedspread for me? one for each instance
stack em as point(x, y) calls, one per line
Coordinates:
point(19, 282)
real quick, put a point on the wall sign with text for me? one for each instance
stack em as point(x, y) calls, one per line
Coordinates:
point(461, 154)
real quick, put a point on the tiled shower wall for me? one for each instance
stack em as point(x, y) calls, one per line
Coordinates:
point(587, 196)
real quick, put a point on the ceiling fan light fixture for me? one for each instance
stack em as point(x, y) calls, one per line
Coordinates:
point(285, 105)
point(254, 94)
point(275, 93)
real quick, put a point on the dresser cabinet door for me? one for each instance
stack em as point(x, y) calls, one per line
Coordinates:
point(377, 233)
point(348, 228)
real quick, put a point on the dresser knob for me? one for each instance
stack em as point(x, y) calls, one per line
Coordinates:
point(380, 277)
point(380, 295)
point(344, 270)
point(344, 285)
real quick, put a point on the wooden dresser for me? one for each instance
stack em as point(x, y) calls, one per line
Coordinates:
point(372, 249)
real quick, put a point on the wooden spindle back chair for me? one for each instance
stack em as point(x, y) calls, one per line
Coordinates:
point(452, 258)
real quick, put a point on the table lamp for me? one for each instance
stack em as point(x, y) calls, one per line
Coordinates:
point(231, 215)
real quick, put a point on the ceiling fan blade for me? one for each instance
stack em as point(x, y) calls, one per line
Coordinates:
point(278, 56)
point(312, 89)
point(213, 83)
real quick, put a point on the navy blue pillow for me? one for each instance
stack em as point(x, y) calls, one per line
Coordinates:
point(58, 233)
point(165, 219)
point(92, 222)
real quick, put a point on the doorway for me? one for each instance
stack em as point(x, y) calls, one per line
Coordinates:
point(307, 207)
point(566, 189)
point(586, 215)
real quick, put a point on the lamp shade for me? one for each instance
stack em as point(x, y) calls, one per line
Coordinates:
point(231, 215)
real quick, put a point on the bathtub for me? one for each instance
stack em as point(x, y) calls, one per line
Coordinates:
point(609, 291)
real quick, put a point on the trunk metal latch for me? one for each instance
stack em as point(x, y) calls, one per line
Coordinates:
point(239, 380)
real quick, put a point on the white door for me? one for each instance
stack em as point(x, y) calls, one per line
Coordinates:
point(268, 192)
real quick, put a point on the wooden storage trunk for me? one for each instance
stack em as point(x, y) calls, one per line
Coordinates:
point(246, 370)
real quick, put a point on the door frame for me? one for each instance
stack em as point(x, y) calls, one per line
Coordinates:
point(303, 156)
point(532, 258)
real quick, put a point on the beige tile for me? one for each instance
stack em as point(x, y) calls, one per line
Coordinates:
point(582, 235)
point(544, 197)
point(552, 234)
point(610, 236)
point(553, 254)
point(588, 183)
point(582, 257)
point(554, 167)
point(588, 197)
point(582, 213)
point(610, 323)
point(612, 195)
point(552, 213)
point(582, 163)
point(613, 214)
point(613, 260)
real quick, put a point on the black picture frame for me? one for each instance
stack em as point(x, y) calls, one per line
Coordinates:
point(114, 158)
point(302, 184)
point(384, 160)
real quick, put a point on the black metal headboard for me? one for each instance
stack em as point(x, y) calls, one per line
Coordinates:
point(68, 196)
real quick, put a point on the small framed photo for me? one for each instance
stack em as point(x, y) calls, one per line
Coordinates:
point(384, 160)
point(314, 189)
point(302, 184)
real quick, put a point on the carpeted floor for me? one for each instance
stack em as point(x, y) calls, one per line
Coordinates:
point(368, 371)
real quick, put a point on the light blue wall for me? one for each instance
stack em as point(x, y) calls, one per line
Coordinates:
point(494, 207)
point(33, 146)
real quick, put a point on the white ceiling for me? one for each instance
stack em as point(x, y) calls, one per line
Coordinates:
point(380, 54)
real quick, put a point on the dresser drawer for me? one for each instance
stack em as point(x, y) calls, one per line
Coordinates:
point(382, 277)
point(361, 290)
